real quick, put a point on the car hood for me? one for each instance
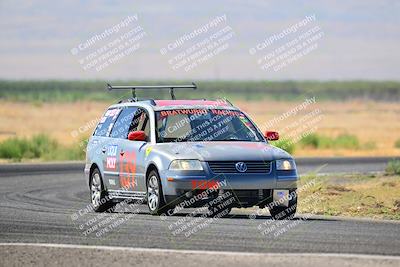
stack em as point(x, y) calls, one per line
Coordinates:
point(223, 151)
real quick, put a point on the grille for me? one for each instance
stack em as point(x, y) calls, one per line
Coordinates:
point(229, 166)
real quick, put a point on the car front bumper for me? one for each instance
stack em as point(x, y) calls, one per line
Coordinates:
point(176, 183)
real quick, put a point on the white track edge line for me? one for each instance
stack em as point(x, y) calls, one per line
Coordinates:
point(227, 253)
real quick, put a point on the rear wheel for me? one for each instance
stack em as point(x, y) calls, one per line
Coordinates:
point(99, 199)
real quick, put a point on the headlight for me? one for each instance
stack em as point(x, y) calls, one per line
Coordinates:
point(186, 165)
point(285, 164)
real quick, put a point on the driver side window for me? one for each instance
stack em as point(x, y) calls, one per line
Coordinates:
point(141, 122)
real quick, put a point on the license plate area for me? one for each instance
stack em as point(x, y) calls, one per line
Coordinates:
point(281, 197)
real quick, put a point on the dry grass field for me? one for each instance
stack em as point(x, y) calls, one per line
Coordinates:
point(367, 195)
point(375, 196)
point(375, 124)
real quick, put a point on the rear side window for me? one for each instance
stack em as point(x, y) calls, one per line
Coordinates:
point(106, 122)
point(124, 123)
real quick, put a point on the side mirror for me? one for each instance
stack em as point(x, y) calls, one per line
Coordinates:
point(137, 136)
point(271, 136)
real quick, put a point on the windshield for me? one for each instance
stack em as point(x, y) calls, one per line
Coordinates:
point(189, 125)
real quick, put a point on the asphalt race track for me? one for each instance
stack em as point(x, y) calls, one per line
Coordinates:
point(40, 207)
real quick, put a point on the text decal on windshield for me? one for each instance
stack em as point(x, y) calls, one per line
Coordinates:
point(223, 112)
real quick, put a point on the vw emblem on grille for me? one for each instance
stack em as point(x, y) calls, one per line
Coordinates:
point(241, 167)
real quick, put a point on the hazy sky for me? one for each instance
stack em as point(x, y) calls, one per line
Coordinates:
point(354, 39)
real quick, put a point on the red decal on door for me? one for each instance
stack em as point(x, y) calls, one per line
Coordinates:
point(111, 161)
point(127, 169)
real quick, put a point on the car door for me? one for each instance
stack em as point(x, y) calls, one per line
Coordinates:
point(116, 160)
point(133, 153)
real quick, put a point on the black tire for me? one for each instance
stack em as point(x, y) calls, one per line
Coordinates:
point(155, 196)
point(284, 213)
point(100, 202)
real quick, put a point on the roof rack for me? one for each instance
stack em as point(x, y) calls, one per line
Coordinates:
point(134, 87)
point(150, 100)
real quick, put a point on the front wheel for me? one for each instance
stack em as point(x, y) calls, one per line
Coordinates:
point(155, 198)
point(284, 213)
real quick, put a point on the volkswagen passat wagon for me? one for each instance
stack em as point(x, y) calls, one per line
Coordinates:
point(174, 154)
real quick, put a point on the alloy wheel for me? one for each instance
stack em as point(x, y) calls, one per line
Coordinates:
point(153, 193)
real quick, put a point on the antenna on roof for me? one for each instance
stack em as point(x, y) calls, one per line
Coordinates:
point(146, 87)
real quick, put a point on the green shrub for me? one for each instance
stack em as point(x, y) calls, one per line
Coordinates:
point(342, 141)
point(369, 145)
point(317, 141)
point(397, 143)
point(73, 152)
point(346, 141)
point(40, 146)
point(284, 144)
point(311, 140)
point(393, 167)
point(18, 148)
point(14, 148)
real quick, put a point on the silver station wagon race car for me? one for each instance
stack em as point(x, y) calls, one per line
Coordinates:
point(175, 154)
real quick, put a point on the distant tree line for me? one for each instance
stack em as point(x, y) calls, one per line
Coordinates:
point(60, 90)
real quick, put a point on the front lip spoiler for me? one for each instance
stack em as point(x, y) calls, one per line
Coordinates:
point(287, 177)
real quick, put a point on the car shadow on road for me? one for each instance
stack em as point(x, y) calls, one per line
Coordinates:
point(260, 217)
point(267, 217)
point(185, 213)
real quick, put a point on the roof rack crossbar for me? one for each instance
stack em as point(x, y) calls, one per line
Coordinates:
point(134, 87)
